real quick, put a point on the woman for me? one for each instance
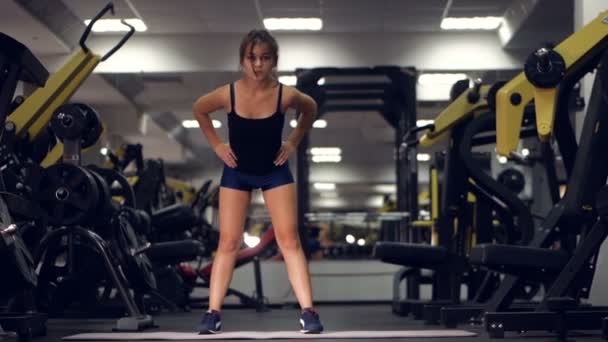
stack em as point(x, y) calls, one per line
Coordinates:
point(257, 158)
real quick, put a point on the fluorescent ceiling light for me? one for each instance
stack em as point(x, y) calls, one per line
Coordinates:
point(194, 123)
point(311, 24)
point(104, 151)
point(474, 23)
point(329, 194)
point(326, 151)
point(288, 80)
point(423, 157)
point(114, 25)
point(190, 123)
point(386, 188)
point(326, 159)
point(291, 80)
point(361, 242)
point(350, 238)
point(439, 78)
point(319, 123)
point(324, 186)
point(421, 123)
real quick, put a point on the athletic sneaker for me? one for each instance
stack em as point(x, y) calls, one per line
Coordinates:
point(310, 323)
point(211, 323)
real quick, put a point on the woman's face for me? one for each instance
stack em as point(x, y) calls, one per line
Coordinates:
point(258, 61)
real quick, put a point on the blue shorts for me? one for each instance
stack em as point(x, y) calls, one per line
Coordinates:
point(234, 179)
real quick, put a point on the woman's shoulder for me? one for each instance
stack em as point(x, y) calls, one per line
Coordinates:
point(218, 97)
point(289, 92)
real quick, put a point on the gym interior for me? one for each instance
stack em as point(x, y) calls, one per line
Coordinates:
point(445, 190)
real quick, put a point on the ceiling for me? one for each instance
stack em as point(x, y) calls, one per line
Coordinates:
point(121, 95)
point(238, 16)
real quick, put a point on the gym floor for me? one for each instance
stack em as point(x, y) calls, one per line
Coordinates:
point(334, 317)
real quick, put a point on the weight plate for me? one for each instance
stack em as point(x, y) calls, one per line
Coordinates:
point(68, 193)
point(118, 184)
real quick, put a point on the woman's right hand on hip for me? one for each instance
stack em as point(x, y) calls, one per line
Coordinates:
point(226, 154)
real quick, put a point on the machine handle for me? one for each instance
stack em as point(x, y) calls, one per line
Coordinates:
point(87, 31)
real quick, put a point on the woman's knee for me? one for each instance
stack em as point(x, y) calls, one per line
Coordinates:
point(229, 244)
point(289, 242)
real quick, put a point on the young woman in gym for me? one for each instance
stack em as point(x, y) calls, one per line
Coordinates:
point(256, 157)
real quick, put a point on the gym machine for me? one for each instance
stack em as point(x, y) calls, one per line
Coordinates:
point(26, 129)
point(578, 221)
point(17, 63)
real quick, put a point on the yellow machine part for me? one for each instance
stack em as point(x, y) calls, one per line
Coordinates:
point(509, 115)
point(434, 205)
point(455, 112)
point(36, 111)
point(182, 187)
point(53, 156)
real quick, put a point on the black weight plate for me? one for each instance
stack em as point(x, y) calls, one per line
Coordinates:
point(458, 88)
point(69, 121)
point(104, 207)
point(93, 128)
point(68, 193)
point(512, 179)
point(545, 75)
point(119, 185)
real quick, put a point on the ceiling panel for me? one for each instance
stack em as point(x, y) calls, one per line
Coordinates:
point(20, 25)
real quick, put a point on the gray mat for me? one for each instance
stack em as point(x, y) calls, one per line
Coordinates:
point(268, 335)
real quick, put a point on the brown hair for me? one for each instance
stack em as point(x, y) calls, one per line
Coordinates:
point(258, 37)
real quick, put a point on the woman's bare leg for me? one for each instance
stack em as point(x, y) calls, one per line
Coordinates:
point(233, 208)
point(281, 204)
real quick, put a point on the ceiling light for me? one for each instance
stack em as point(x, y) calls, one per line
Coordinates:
point(423, 157)
point(114, 25)
point(386, 188)
point(502, 159)
point(525, 152)
point(361, 242)
point(319, 123)
point(326, 159)
point(329, 194)
point(350, 238)
point(217, 123)
point(321, 81)
point(325, 151)
point(440, 78)
point(324, 186)
point(104, 151)
point(190, 123)
point(421, 123)
point(474, 23)
point(311, 24)
point(293, 123)
point(288, 80)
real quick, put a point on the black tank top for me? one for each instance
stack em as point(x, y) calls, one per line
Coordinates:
point(255, 142)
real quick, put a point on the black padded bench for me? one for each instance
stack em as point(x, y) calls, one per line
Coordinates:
point(517, 259)
point(414, 255)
